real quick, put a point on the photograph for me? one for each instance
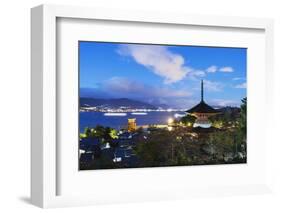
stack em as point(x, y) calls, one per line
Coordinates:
point(161, 105)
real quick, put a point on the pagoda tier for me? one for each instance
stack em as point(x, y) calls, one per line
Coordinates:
point(202, 107)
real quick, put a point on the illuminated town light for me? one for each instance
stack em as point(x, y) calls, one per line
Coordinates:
point(170, 120)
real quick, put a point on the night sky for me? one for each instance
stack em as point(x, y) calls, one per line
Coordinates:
point(163, 74)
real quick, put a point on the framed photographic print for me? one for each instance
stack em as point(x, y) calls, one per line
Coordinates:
point(141, 106)
point(151, 106)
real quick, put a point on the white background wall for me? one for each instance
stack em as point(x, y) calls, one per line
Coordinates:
point(15, 103)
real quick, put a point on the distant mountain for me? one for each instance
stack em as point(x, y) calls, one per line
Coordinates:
point(230, 110)
point(115, 103)
point(228, 113)
point(227, 108)
point(163, 106)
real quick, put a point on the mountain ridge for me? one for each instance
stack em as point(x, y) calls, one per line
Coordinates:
point(115, 103)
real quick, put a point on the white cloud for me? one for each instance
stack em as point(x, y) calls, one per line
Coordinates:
point(123, 87)
point(226, 69)
point(241, 86)
point(159, 60)
point(195, 74)
point(213, 86)
point(198, 73)
point(212, 69)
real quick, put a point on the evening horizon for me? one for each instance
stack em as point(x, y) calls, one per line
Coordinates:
point(163, 74)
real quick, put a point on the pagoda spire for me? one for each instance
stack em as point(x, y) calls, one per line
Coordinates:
point(202, 90)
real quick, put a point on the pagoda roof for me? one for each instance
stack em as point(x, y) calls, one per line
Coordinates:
point(202, 107)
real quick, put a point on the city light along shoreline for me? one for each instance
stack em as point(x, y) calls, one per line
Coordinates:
point(177, 115)
point(123, 113)
point(127, 110)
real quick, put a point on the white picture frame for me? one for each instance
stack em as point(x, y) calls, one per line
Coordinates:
point(44, 154)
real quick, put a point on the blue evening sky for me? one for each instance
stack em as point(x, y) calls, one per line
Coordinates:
point(163, 74)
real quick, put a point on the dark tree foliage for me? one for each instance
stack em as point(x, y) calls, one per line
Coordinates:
point(87, 132)
point(106, 134)
point(243, 117)
point(227, 116)
point(188, 119)
point(169, 148)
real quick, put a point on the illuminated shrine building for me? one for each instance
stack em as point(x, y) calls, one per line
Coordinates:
point(202, 112)
point(132, 125)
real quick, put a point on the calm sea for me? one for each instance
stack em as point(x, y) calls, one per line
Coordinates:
point(91, 119)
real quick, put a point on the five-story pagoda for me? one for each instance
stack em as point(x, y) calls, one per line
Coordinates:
point(202, 112)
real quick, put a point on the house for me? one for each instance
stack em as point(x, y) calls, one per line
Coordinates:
point(125, 135)
point(90, 145)
point(89, 142)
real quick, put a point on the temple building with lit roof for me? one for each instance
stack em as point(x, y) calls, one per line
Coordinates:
point(202, 112)
point(132, 125)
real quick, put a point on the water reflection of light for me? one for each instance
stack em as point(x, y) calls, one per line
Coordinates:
point(115, 114)
point(139, 113)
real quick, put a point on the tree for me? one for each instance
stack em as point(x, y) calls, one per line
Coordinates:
point(99, 131)
point(243, 116)
point(167, 148)
point(155, 150)
point(188, 120)
point(222, 142)
point(113, 133)
point(140, 130)
point(243, 127)
point(87, 132)
point(232, 141)
point(107, 134)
